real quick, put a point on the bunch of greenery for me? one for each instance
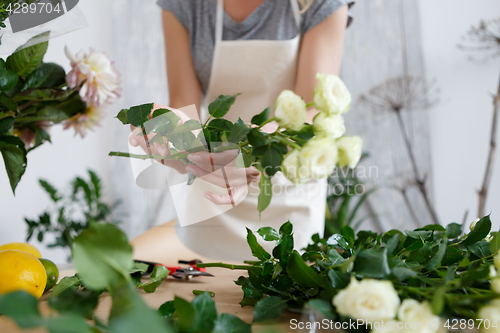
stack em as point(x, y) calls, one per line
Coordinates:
point(72, 212)
point(302, 151)
point(434, 264)
point(103, 258)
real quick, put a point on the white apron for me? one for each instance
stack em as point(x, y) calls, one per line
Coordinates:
point(259, 70)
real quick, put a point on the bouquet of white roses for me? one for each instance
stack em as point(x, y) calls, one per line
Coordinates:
point(301, 151)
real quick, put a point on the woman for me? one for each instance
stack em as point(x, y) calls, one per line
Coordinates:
point(257, 48)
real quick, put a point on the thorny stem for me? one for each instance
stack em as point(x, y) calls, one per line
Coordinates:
point(483, 193)
point(420, 181)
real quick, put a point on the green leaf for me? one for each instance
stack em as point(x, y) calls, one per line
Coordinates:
point(256, 138)
point(239, 133)
point(220, 124)
point(129, 313)
point(8, 79)
point(268, 308)
point(7, 102)
point(123, 117)
point(66, 282)
point(157, 276)
point(167, 309)
point(205, 314)
point(221, 105)
point(52, 192)
point(453, 230)
point(338, 279)
point(201, 292)
point(304, 275)
point(70, 323)
point(188, 126)
point(436, 260)
point(250, 291)
point(248, 301)
point(437, 302)
point(82, 302)
point(372, 263)
point(6, 124)
point(495, 243)
point(44, 94)
point(286, 229)
point(257, 250)
point(182, 141)
point(265, 194)
point(45, 76)
point(284, 248)
point(22, 308)
point(403, 273)
point(335, 257)
point(451, 256)
point(268, 234)
point(348, 234)
point(102, 256)
point(25, 61)
point(271, 160)
point(422, 234)
point(185, 312)
point(480, 249)
point(323, 307)
point(260, 118)
point(138, 115)
point(14, 158)
point(228, 323)
point(480, 231)
point(392, 244)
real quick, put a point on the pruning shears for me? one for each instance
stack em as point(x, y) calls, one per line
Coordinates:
point(179, 272)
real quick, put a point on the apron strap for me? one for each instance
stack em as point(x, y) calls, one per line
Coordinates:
point(219, 21)
point(219, 18)
point(296, 12)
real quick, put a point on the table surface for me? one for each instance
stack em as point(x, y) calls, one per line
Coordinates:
point(150, 246)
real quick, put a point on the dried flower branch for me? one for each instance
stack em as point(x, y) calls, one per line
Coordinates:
point(406, 93)
point(484, 38)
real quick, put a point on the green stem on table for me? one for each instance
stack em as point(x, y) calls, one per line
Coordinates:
point(223, 265)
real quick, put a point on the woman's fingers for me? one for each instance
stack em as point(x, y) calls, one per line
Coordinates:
point(211, 162)
point(234, 196)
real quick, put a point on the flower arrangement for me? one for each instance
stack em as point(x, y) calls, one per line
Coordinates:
point(434, 277)
point(301, 151)
point(35, 95)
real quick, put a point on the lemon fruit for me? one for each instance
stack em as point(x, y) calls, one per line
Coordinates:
point(21, 271)
point(25, 247)
point(52, 273)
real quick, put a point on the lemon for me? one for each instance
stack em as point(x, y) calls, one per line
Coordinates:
point(21, 271)
point(25, 247)
point(52, 273)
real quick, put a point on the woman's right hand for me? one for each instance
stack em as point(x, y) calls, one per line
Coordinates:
point(137, 139)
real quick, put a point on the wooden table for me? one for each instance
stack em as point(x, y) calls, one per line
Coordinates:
point(149, 247)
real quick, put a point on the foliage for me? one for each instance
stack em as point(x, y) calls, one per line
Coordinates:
point(103, 258)
point(417, 262)
point(347, 193)
point(72, 212)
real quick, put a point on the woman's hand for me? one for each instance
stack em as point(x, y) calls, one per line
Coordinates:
point(137, 139)
point(231, 177)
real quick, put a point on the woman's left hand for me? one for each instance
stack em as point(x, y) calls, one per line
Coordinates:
point(236, 179)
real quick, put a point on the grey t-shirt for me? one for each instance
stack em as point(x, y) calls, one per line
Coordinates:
point(272, 20)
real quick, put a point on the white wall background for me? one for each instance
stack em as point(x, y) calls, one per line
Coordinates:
point(459, 125)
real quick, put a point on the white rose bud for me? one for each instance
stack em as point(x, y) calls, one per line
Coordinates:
point(370, 300)
point(292, 170)
point(491, 313)
point(473, 224)
point(350, 149)
point(331, 95)
point(496, 260)
point(493, 272)
point(319, 157)
point(495, 285)
point(290, 110)
point(331, 126)
point(411, 311)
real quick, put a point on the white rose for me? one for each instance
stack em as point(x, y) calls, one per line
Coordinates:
point(290, 110)
point(496, 260)
point(331, 95)
point(419, 316)
point(495, 285)
point(319, 157)
point(370, 300)
point(491, 316)
point(331, 126)
point(292, 170)
point(350, 149)
point(493, 272)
